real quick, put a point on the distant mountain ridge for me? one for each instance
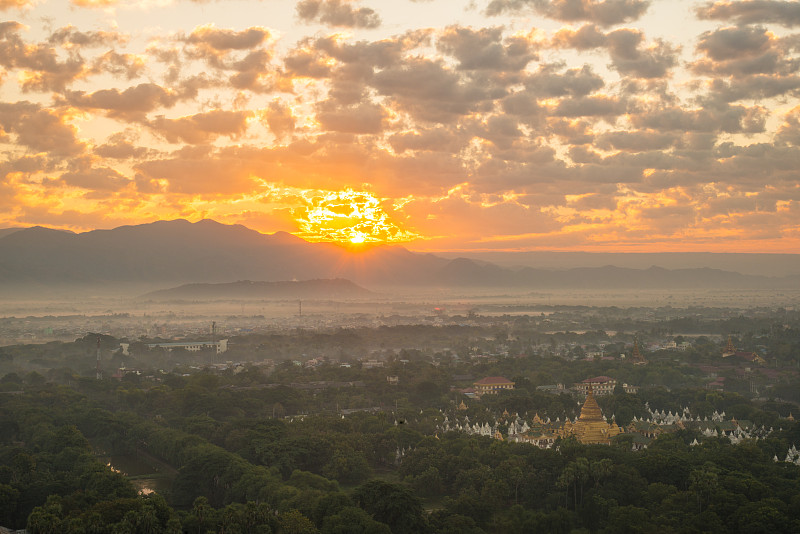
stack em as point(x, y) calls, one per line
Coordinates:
point(173, 253)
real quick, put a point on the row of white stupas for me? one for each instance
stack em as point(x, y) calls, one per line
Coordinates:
point(668, 418)
point(517, 425)
point(792, 456)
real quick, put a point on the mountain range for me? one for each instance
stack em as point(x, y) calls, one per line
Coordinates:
point(171, 253)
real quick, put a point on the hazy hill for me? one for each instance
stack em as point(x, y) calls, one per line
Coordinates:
point(171, 253)
point(772, 264)
point(246, 289)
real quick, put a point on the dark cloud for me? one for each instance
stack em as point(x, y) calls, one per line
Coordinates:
point(760, 86)
point(548, 82)
point(719, 118)
point(97, 179)
point(39, 129)
point(129, 66)
point(210, 37)
point(789, 131)
point(744, 51)
point(629, 53)
point(202, 127)
point(628, 56)
point(587, 37)
point(253, 72)
point(430, 92)
point(279, 119)
point(746, 63)
point(46, 72)
point(363, 118)
point(70, 36)
point(636, 141)
point(524, 105)
point(307, 63)
point(132, 103)
point(121, 146)
point(241, 53)
point(752, 12)
point(437, 139)
point(484, 49)
point(337, 13)
point(724, 44)
point(602, 12)
point(501, 130)
point(590, 106)
point(571, 132)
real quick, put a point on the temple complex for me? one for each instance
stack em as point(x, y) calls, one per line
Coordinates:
point(731, 350)
point(591, 426)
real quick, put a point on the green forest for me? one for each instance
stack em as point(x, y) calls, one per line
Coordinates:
point(288, 449)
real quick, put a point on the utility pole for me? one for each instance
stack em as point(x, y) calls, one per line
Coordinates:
point(213, 340)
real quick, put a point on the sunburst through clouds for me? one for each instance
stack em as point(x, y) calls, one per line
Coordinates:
point(349, 217)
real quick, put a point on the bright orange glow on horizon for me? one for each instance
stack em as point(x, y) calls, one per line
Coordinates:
point(348, 217)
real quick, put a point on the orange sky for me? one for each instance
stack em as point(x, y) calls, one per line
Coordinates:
point(597, 125)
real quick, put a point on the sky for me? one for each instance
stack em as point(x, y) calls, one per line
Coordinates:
point(444, 125)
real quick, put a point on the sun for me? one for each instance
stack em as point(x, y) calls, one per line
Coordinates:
point(348, 217)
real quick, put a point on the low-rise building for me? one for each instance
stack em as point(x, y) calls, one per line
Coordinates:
point(492, 384)
point(600, 385)
point(192, 346)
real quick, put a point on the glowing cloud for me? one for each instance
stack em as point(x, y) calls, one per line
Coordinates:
point(348, 216)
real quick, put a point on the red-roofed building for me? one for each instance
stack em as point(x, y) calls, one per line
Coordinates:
point(492, 384)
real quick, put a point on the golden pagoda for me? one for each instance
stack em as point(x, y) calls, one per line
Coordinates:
point(590, 426)
point(729, 349)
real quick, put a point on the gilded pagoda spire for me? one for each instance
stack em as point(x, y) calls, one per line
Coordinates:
point(591, 410)
point(590, 426)
point(636, 356)
point(729, 348)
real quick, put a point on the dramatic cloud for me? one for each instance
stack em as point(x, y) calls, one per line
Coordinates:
point(40, 65)
point(753, 11)
point(602, 12)
point(576, 124)
point(337, 13)
point(40, 129)
point(69, 36)
point(627, 49)
point(484, 49)
point(202, 127)
point(132, 103)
